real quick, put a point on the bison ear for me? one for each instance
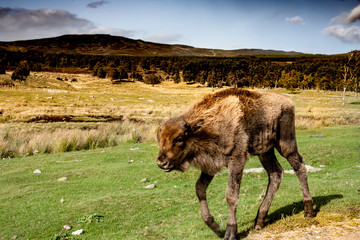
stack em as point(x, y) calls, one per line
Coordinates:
point(192, 128)
point(187, 127)
point(197, 125)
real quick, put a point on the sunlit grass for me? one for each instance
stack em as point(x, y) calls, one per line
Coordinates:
point(44, 95)
point(107, 182)
point(24, 139)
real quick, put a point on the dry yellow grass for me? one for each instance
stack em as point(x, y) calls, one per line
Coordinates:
point(141, 106)
point(94, 96)
point(23, 139)
point(325, 225)
point(43, 94)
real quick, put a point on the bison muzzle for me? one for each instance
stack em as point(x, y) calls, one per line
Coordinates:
point(222, 130)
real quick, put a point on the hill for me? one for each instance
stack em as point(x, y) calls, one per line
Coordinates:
point(102, 44)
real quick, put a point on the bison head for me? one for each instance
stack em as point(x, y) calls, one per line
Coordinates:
point(174, 138)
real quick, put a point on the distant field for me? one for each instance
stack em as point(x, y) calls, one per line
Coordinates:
point(60, 112)
point(104, 194)
point(44, 94)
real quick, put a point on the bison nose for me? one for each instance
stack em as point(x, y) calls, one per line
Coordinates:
point(165, 164)
point(162, 164)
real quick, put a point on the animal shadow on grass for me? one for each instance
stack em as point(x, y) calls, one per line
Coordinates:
point(290, 210)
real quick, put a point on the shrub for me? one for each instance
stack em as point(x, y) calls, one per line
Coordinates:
point(101, 73)
point(21, 72)
point(177, 78)
point(118, 74)
point(152, 79)
point(137, 76)
point(114, 74)
point(136, 136)
point(123, 74)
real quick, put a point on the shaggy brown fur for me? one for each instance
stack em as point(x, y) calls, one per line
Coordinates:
point(222, 130)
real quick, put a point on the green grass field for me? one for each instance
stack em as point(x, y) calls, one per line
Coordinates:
point(104, 195)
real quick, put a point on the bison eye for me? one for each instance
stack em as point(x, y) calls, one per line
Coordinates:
point(179, 140)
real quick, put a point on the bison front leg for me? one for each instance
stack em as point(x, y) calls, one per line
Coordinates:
point(275, 174)
point(232, 198)
point(201, 186)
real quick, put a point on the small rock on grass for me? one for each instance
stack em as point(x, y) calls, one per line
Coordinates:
point(254, 170)
point(131, 161)
point(308, 169)
point(150, 186)
point(63, 179)
point(144, 180)
point(312, 169)
point(67, 227)
point(37, 171)
point(78, 232)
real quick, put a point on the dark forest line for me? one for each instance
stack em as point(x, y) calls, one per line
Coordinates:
point(303, 71)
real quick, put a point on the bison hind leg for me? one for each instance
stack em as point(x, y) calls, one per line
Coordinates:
point(275, 173)
point(287, 147)
point(298, 164)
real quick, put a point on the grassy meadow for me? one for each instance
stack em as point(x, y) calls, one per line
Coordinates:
point(100, 114)
point(110, 145)
point(104, 194)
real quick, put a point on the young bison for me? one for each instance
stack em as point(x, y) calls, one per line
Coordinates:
point(223, 130)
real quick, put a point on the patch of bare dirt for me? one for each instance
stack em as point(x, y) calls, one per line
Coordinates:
point(346, 230)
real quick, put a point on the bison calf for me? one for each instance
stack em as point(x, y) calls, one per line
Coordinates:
point(223, 130)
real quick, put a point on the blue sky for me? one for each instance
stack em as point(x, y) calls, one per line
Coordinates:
point(310, 26)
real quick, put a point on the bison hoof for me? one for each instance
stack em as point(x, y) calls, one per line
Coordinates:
point(258, 227)
point(231, 231)
point(308, 209)
point(309, 214)
point(213, 225)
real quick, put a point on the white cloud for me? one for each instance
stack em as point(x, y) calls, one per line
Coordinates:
point(112, 31)
point(20, 24)
point(165, 38)
point(295, 20)
point(24, 24)
point(347, 18)
point(353, 16)
point(348, 35)
point(339, 29)
point(17, 19)
point(340, 19)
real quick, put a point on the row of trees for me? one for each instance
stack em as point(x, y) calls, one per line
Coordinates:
point(302, 71)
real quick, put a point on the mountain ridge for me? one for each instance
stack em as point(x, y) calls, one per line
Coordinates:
point(105, 44)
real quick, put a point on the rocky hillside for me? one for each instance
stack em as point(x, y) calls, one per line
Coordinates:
point(101, 44)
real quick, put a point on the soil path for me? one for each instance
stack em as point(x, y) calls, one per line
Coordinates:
point(333, 231)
